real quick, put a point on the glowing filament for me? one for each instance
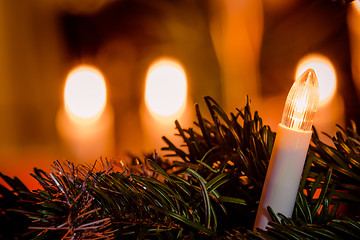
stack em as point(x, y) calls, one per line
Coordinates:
point(302, 102)
point(166, 88)
point(85, 93)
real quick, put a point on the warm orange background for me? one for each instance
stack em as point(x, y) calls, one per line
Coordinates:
point(228, 49)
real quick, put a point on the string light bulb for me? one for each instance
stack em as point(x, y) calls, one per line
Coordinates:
point(290, 149)
point(302, 102)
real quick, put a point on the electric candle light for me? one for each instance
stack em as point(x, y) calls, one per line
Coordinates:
point(290, 149)
point(353, 20)
point(165, 100)
point(85, 122)
point(166, 89)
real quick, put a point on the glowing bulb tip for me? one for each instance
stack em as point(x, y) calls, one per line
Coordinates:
point(302, 102)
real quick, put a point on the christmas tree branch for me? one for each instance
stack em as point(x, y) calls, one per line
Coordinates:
point(209, 190)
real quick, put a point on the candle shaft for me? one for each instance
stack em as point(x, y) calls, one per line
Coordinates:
point(283, 174)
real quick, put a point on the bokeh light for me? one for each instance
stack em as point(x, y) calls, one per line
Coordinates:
point(357, 5)
point(85, 93)
point(325, 73)
point(166, 88)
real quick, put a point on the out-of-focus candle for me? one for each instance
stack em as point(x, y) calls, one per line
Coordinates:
point(290, 149)
point(165, 101)
point(236, 29)
point(85, 121)
point(166, 88)
point(331, 104)
point(353, 20)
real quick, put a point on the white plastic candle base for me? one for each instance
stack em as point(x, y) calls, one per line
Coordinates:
point(283, 174)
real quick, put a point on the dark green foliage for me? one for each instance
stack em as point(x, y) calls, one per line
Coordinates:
point(208, 188)
point(343, 158)
point(13, 223)
point(238, 146)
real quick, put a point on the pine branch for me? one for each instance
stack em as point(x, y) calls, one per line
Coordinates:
point(210, 189)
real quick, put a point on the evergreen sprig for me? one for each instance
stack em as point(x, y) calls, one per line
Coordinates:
point(208, 188)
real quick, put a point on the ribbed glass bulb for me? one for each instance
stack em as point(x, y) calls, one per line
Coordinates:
point(302, 102)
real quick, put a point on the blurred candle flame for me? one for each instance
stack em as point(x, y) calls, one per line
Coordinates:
point(166, 89)
point(85, 121)
point(325, 73)
point(85, 94)
point(353, 20)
